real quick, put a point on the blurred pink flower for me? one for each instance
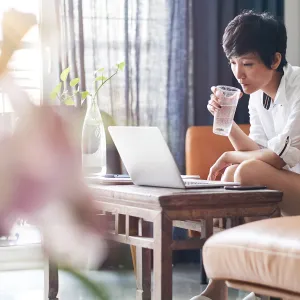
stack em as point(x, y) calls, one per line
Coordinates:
point(41, 181)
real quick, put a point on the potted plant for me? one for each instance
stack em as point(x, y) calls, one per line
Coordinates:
point(94, 141)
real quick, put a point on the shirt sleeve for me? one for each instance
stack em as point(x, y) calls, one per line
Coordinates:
point(287, 144)
point(257, 132)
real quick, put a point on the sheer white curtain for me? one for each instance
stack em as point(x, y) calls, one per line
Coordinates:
point(154, 38)
point(134, 32)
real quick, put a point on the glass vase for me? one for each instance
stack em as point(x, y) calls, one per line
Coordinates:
point(93, 142)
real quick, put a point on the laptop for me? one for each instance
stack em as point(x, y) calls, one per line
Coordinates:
point(149, 161)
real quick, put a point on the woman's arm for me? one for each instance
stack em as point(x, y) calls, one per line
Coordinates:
point(240, 140)
point(266, 155)
point(236, 157)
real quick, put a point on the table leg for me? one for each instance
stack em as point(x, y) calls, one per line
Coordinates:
point(203, 276)
point(143, 265)
point(53, 281)
point(207, 231)
point(162, 254)
point(143, 274)
point(276, 213)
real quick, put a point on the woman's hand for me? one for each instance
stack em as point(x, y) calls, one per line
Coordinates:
point(214, 103)
point(222, 162)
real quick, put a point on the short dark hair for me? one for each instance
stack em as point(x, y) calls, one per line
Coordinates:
point(259, 33)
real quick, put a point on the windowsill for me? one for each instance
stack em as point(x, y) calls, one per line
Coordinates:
point(21, 257)
point(24, 253)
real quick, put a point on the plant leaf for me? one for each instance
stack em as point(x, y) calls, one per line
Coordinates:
point(121, 66)
point(53, 95)
point(74, 82)
point(95, 288)
point(84, 95)
point(55, 91)
point(64, 74)
point(69, 101)
point(99, 70)
point(100, 78)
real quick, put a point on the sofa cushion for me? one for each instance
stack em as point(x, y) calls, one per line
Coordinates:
point(265, 253)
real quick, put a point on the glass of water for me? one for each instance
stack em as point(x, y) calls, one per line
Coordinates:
point(223, 118)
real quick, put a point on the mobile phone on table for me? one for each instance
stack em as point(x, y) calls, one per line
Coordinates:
point(116, 176)
point(244, 188)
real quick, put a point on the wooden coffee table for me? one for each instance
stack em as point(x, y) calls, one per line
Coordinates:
point(144, 217)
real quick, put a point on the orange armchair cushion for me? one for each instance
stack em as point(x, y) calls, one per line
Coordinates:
point(203, 148)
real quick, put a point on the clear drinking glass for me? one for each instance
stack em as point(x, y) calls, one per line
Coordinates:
point(223, 118)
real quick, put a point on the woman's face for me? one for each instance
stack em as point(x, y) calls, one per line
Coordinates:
point(251, 72)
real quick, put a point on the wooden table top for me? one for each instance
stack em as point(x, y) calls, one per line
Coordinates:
point(154, 197)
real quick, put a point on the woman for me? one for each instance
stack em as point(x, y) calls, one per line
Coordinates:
point(255, 45)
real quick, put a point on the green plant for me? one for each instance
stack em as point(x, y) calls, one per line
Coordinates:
point(96, 289)
point(66, 96)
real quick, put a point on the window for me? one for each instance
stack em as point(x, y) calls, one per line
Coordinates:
point(135, 31)
point(26, 63)
point(26, 69)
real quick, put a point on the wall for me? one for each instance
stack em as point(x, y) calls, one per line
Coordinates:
point(292, 22)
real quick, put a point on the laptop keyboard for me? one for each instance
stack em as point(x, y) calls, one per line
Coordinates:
point(195, 182)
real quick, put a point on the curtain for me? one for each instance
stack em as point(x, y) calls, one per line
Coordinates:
point(71, 40)
point(154, 39)
point(180, 103)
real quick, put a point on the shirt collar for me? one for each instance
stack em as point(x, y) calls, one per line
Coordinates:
point(280, 97)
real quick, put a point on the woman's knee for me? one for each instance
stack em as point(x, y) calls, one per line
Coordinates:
point(229, 173)
point(249, 171)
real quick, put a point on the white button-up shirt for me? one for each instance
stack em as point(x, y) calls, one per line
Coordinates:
point(276, 125)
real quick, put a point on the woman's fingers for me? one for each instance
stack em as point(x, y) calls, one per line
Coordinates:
point(210, 109)
point(212, 175)
point(213, 106)
point(214, 101)
point(216, 92)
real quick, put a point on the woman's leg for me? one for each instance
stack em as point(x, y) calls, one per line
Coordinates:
point(229, 173)
point(216, 289)
point(255, 172)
